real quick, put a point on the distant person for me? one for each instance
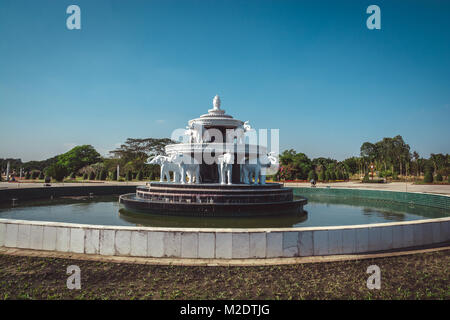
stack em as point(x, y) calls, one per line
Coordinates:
point(313, 183)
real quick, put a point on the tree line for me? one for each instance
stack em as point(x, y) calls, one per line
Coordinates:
point(84, 161)
point(391, 158)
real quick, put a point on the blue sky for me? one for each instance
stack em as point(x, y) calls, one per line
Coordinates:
point(143, 68)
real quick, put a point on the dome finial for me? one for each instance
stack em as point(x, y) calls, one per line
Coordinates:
point(216, 102)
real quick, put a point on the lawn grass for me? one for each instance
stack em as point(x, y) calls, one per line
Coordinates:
point(418, 276)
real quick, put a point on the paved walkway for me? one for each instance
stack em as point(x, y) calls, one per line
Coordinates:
point(14, 185)
point(391, 186)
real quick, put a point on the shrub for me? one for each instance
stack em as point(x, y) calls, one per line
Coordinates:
point(27, 175)
point(140, 176)
point(41, 175)
point(366, 178)
point(92, 175)
point(386, 173)
point(439, 177)
point(34, 174)
point(394, 176)
point(448, 178)
point(327, 175)
point(85, 176)
point(428, 177)
point(339, 175)
point(129, 176)
point(57, 171)
point(47, 179)
point(72, 175)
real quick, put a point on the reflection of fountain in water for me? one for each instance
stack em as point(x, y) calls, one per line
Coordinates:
point(154, 220)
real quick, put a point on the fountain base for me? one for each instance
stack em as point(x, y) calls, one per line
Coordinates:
point(213, 199)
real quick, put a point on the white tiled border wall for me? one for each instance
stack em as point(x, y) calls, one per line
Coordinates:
point(221, 243)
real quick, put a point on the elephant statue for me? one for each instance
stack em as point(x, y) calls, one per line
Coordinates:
point(225, 166)
point(166, 166)
point(189, 167)
point(250, 171)
point(258, 170)
point(269, 164)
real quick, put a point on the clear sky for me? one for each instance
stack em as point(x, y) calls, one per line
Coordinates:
point(143, 68)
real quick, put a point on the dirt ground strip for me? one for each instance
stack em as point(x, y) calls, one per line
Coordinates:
point(416, 276)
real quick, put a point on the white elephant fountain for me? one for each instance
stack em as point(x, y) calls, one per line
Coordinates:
point(225, 166)
point(255, 173)
point(167, 166)
point(205, 183)
point(189, 167)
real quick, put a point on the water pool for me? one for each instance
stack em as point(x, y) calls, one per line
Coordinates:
point(320, 211)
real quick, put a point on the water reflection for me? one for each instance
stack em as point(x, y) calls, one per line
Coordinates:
point(153, 220)
point(321, 211)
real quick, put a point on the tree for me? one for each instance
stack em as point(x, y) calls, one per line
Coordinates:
point(114, 175)
point(351, 164)
point(322, 175)
point(312, 175)
point(103, 174)
point(78, 157)
point(369, 153)
point(85, 176)
point(92, 175)
point(428, 177)
point(140, 176)
point(41, 175)
point(296, 165)
point(129, 176)
point(139, 150)
point(332, 175)
point(57, 171)
point(439, 177)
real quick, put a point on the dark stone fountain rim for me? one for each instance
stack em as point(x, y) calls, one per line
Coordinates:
point(214, 186)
